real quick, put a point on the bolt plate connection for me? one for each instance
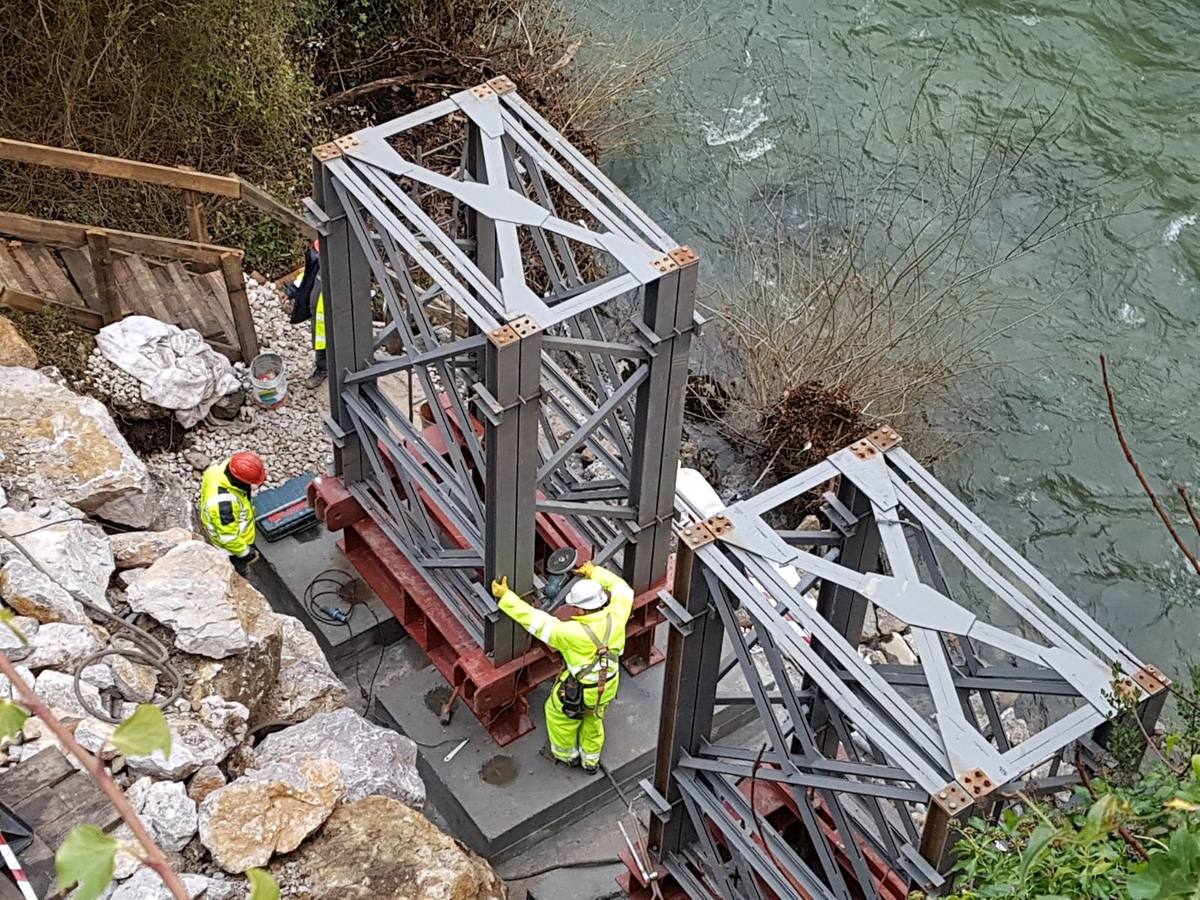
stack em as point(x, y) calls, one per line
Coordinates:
point(977, 783)
point(1151, 680)
point(501, 84)
point(664, 264)
point(503, 336)
point(719, 525)
point(684, 256)
point(953, 799)
point(696, 536)
point(483, 91)
point(328, 151)
point(863, 449)
point(884, 438)
point(524, 326)
point(346, 142)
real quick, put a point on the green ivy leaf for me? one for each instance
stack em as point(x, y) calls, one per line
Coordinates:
point(1038, 842)
point(87, 856)
point(262, 885)
point(1196, 766)
point(12, 717)
point(143, 732)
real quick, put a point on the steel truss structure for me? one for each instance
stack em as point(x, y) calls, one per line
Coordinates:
point(863, 772)
point(507, 343)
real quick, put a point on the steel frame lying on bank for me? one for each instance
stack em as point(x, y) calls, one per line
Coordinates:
point(536, 325)
point(863, 772)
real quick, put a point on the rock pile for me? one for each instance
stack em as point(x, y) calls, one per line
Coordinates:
point(219, 802)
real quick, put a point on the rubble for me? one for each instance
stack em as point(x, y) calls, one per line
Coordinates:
point(59, 444)
point(76, 552)
point(269, 810)
point(63, 646)
point(57, 689)
point(170, 814)
point(378, 847)
point(306, 684)
point(137, 549)
point(383, 762)
point(189, 591)
point(193, 745)
point(206, 780)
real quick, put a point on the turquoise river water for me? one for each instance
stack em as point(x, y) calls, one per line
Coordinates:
point(760, 83)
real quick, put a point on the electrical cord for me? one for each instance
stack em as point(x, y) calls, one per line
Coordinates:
point(324, 598)
point(580, 864)
point(145, 649)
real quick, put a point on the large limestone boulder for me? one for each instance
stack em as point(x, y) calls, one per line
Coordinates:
point(372, 760)
point(379, 849)
point(55, 443)
point(74, 551)
point(57, 689)
point(306, 685)
point(136, 549)
point(60, 645)
point(231, 638)
point(14, 349)
point(196, 741)
point(267, 811)
point(188, 590)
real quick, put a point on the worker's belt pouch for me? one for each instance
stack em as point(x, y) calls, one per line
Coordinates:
point(570, 696)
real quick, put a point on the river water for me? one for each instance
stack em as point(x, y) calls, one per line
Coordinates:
point(762, 82)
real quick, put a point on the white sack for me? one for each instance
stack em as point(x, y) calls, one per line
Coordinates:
point(176, 368)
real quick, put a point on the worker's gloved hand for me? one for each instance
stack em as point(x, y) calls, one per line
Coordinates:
point(500, 587)
point(586, 569)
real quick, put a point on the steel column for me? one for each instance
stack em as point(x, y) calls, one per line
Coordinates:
point(668, 314)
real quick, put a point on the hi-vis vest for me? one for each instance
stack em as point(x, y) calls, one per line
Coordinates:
point(226, 512)
point(318, 329)
point(571, 639)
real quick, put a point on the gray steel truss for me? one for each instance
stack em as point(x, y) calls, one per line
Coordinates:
point(508, 340)
point(874, 766)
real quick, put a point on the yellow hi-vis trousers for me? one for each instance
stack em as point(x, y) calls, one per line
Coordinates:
point(582, 739)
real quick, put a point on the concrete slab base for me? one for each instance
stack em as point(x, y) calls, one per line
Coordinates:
point(500, 801)
point(286, 570)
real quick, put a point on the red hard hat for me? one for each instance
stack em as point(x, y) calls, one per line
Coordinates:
point(248, 467)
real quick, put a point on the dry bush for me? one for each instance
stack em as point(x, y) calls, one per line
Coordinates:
point(213, 84)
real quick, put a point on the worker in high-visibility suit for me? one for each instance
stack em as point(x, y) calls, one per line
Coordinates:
point(591, 640)
point(226, 510)
point(301, 292)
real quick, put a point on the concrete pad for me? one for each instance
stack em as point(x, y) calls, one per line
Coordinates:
point(283, 575)
point(501, 800)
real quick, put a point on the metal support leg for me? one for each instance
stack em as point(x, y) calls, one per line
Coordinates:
point(346, 283)
point(512, 372)
point(669, 309)
point(689, 691)
point(843, 608)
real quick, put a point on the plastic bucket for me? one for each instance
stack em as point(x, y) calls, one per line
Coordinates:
point(268, 380)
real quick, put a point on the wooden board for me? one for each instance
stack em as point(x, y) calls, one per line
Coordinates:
point(156, 304)
point(50, 269)
point(214, 283)
point(186, 305)
point(52, 798)
point(10, 272)
point(79, 266)
point(31, 270)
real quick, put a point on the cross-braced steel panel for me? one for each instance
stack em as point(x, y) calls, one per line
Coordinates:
point(862, 772)
point(508, 342)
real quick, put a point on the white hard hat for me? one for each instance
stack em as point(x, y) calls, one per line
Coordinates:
point(586, 594)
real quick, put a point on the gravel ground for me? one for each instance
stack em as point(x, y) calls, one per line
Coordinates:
point(290, 438)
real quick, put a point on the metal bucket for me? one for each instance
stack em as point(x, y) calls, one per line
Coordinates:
point(268, 380)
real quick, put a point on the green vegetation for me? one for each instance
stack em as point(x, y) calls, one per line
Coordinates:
point(1135, 832)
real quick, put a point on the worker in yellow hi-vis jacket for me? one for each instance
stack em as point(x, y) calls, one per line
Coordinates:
point(591, 640)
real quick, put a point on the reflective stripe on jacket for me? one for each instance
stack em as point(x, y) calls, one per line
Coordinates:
point(569, 638)
point(319, 323)
point(225, 511)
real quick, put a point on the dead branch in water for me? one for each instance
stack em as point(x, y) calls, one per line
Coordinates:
point(1141, 476)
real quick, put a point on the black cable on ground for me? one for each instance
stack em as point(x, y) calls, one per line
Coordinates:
point(581, 864)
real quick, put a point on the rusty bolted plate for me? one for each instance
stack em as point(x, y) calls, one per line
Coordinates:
point(863, 449)
point(664, 264)
point(953, 799)
point(503, 336)
point(1151, 680)
point(683, 256)
point(501, 84)
point(884, 438)
point(977, 783)
point(524, 326)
